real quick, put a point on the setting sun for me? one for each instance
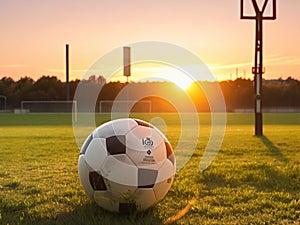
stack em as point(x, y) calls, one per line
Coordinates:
point(176, 76)
point(151, 71)
point(183, 83)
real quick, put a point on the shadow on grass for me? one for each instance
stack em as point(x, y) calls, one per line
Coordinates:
point(263, 177)
point(91, 214)
point(275, 152)
point(279, 174)
point(88, 214)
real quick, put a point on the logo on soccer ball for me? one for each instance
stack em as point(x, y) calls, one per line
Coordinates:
point(147, 142)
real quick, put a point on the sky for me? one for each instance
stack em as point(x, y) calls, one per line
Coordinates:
point(34, 34)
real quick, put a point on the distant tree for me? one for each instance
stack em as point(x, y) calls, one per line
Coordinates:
point(23, 88)
point(97, 80)
point(101, 80)
point(48, 88)
point(7, 86)
point(281, 93)
point(237, 94)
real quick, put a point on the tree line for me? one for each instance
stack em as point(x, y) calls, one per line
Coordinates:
point(238, 94)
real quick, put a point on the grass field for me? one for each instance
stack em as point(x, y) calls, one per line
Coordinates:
point(251, 181)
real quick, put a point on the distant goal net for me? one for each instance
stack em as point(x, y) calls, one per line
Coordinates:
point(49, 106)
point(121, 106)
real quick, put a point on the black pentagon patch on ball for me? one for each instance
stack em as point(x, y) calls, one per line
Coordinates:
point(142, 123)
point(97, 181)
point(86, 144)
point(116, 144)
point(127, 207)
point(146, 178)
point(168, 148)
point(170, 154)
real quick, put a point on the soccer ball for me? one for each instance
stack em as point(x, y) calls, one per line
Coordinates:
point(126, 165)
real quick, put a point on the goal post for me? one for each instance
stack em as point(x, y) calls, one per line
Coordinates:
point(109, 106)
point(50, 107)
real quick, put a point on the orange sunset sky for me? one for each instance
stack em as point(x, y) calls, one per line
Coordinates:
point(34, 34)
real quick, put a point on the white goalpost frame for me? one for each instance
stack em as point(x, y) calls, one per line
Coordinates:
point(73, 102)
point(112, 102)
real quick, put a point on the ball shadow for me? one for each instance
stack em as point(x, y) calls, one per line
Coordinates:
point(92, 214)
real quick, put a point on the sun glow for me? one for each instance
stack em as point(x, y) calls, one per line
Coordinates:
point(156, 72)
point(180, 80)
point(161, 72)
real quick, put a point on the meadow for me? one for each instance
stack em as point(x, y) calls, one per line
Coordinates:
point(253, 180)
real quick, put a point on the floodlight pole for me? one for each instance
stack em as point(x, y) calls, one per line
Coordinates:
point(257, 70)
point(67, 73)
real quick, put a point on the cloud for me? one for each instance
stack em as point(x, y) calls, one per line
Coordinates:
point(283, 60)
point(272, 60)
point(229, 66)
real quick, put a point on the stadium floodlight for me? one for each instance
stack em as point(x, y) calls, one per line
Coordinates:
point(126, 62)
point(258, 70)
